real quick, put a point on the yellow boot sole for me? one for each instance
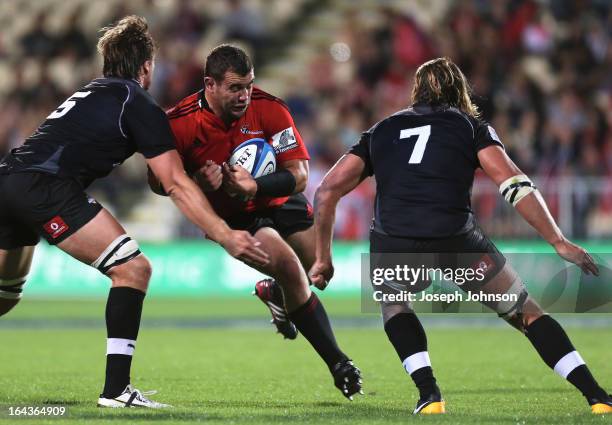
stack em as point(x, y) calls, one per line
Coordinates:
point(435, 408)
point(600, 409)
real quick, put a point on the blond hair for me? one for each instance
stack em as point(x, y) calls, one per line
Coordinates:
point(441, 82)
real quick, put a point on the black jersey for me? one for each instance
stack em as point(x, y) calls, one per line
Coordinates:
point(93, 131)
point(424, 160)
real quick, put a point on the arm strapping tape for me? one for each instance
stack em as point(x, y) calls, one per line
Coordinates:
point(516, 188)
point(280, 183)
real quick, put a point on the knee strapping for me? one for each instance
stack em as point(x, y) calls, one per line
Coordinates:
point(514, 304)
point(119, 251)
point(512, 311)
point(12, 289)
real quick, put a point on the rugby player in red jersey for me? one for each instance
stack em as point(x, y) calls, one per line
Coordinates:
point(42, 193)
point(208, 126)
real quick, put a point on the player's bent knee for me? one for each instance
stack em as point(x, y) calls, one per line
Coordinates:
point(7, 305)
point(525, 314)
point(11, 291)
point(135, 273)
point(119, 251)
point(287, 271)
point(141, 267)
point(531, 312)
point(514, 309)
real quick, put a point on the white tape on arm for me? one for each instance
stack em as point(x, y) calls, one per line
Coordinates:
point(516, 188)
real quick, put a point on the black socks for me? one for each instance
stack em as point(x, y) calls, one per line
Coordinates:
point(410, 342)
point(553, 345)
point(312, 321)
point(123, 310)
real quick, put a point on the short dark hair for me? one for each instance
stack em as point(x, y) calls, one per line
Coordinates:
point(225, 58)
point(441, 82)
point(125, 47)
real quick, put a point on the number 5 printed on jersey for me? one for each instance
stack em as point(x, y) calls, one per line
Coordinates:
point(423, 134)
point(68, 105)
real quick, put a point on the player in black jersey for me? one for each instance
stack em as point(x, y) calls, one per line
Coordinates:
point(42, 187)
point(424, 159)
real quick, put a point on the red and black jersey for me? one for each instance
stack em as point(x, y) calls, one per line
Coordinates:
point(200, 135)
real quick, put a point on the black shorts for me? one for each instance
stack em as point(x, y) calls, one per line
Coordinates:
point(293, 216)
point(472, 250)
point(35, 204)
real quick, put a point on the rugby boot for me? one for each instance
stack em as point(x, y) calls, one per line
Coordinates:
point(347, 378)
point(268, 291)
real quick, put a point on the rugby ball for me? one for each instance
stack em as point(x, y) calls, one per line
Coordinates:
point(256, 156)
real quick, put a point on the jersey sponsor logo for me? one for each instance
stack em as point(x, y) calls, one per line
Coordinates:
point(284, 141)
point(486, 264)
point(493, 134)
point(245, 130)
point(55, 227)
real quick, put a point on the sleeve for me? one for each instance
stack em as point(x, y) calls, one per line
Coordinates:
point(362, 150)
point(147, 126)
point(280, 130)
point(486, 136)
point(183, 130)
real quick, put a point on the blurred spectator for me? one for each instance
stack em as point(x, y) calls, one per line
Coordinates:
point(245, 24)
point(72, 39)
point(38, 41)
point(540, 73)
point(189, 23)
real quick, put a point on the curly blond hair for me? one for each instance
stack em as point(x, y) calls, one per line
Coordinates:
point(441, 82)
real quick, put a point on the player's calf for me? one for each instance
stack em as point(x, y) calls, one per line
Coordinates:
point(10, 293)
point(130, 272)
point(289, 274)
point(408, 337)
point(555, 348)
point(548, 338)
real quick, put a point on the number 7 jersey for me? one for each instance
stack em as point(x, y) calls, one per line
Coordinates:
point(424, 159)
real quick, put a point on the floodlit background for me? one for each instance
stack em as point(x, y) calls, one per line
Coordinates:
point(540, 71)
point(541, 74)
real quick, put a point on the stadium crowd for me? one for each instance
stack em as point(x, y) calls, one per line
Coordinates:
point(540, 73)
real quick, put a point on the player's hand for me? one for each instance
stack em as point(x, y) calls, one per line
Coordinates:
point(238, 181)
point(321, 273)
point(209, 177)
point(241, 245)
point(577, 255)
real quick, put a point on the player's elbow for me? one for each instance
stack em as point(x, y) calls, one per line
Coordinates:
point(154, 184)
point(157, 189)
point(176, 186)
point(300, 173)
point(325, 194)
point(301, 179)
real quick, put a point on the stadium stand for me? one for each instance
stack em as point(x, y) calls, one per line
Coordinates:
point(341, 66)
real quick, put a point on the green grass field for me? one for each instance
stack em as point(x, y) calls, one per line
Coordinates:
point(221, 372)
